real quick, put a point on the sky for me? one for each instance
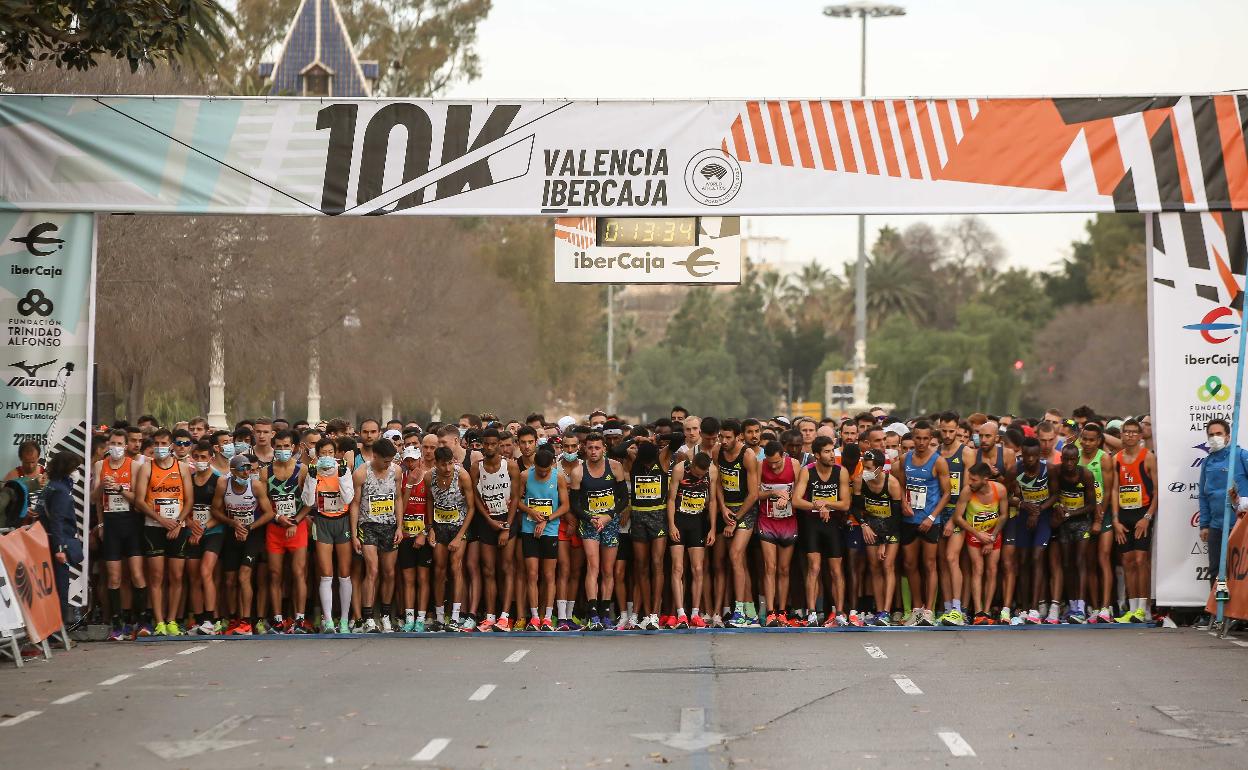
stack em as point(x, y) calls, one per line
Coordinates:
point(788, 48)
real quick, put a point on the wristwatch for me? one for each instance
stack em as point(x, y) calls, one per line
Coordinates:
point(1148, 517)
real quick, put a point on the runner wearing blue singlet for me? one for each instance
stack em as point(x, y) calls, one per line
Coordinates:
point(924, 476)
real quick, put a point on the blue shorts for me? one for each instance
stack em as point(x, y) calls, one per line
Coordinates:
point(853, 539)
point(1019, 536)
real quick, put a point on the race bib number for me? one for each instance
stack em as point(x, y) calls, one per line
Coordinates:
point(496, 505)
point(955, 483)
point(413, 525)
point(285, 506)
point(115, 502)
point(601, 501)
point(823, 500)
point(445, 515)
point(330, 502)
point(693, 503)
point(542, 506)
point(918, 497)
point(244, 516)
point(731, 479)
point(1036, 496)
point(168, 508)
point(1099, 493)
point(877, 509)
point(1130, 497)
point(202, 514)
point(983, 521)
point(381, 507)
point(774, 510)
point(1072, 501)
point(648, 488)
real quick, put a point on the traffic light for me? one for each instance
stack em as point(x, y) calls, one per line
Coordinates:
point(1018, 365)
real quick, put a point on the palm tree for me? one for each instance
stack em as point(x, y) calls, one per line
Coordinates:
point(774, 286)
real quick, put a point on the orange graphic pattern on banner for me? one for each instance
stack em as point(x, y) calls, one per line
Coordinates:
point(1236, 573)
point(28, 560)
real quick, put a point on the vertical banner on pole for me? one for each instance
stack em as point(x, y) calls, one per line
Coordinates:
point(46, 287)
point(1195, 295)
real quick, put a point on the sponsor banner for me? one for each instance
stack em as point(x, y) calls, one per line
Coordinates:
point(10, 613)
point(710, 250)
point(592, 158)
point(46, 285)
point(29, 560)
point(1197, 266)
point(1236, 574)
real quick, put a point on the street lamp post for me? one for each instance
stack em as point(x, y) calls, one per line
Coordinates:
point(863, 10)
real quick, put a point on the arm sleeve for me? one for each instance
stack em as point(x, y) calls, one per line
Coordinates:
point(309, 490)
point(1203, 496)
point(621, 497)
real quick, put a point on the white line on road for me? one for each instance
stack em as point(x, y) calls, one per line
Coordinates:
point(515, 656)
point(957, 744)
point(115, 680)
point(431, 750)
point(1239, 644)
point(71, 698)
point(482, 692)
point(22, 717)
point(874, 652)
point(907, 685)
point(196, 648)
point(157, 663)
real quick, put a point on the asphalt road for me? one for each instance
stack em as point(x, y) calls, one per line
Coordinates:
point(1043, 698)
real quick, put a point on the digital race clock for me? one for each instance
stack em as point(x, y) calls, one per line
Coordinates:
point(647, 231)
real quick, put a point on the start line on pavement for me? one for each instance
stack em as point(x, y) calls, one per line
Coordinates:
point(685, 632)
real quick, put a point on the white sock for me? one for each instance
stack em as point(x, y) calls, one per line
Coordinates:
point(548, 611)
point(695, 611)
point(490, 617)
point(562, 604)
point(1144, 607)
point(502, 616)
point(344, 597)
point(420, 615)
point(409, 615)
point(455, 611)
point(326, 591)
point(680, 611)
point(440, 610)
point(533, 612)
point(277, 618)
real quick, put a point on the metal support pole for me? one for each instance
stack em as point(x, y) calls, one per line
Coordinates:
point(610, 349)
point(861, 395)
point(1228, 514)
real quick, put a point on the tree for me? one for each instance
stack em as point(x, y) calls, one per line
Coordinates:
point(753, 345)
point(660, 376)
point(79, 34)
point(1109, 264)
point(1083, 344)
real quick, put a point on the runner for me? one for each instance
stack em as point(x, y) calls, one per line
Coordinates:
point(497, 482)
point(377, 535)
point(958, 457)
point(204, 545)
point(777, 528)
point(1105, 476)
point(284, 479)
point(544, 503)
point(241, 503)
point(823, 492)
point(1075, 488)
point(739, 475)
point(162, 493)
point(598, 494)
point(1032, 529)
point(328, 490)
point(113, 493)
point(415, 554)
point(648, 488)
point(982, 515)
point(571, 562)
point(451, 508)
point(926, 477)
point(1134, 507)
point(263, 449)
point(878, 497)
point(691, 507)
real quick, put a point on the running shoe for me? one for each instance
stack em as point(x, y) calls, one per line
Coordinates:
point(897, 618)
point(327, 626)
point(1076, 618)
point(792, 622)
point(159, 630)
point(697, 622)
point(343, 628)
point(682, 621)
point(533, 624)
point(717, 622)
point(387, 626)
point(141, 630)
point(855, 619)
point(1033, 617)
point(262, 627)
point(1131, 616)
point(595, 623)
point(955, 618)
point(773, 620)
point(926, 618)
point(118, 635)
point(944, 619)
point(243, 629)
point(467, 624)
point(625, 623)
point(1051, 619)
point(737, 620)
point(911, 618)
point(1004, 618)
point(1104, 616)
point(981, 619)
point(487, 626)
point(408, 626)
point(883, 620)
point(418, 627)
point(204, 629)
point(547, 625)
point(812, 620)
point(577, 623)
point(369, 627)
point(564, 625)
point(1019, 619)
point(752, 622)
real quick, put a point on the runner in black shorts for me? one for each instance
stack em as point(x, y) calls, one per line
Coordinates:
point(1075, 489)
point(878, 496)
point(691, 507)
point(113, 493)
point(738, 493)
point(415, 553)
point(647, 494)
point(823, 495)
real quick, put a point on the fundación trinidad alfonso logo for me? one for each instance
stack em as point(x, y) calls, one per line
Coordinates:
point(1213, 328)
point(713, 177)
point(1213, 390)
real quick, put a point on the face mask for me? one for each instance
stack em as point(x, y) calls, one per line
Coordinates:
point(326, 463)
point(975, 439)
point(116, 452)
point(463, 432)
point(241, 448)
point(160, 452)
point(891, 454)
point(868, 475)
point(227, 451)
point(200, 467)
point(570, 457)
point(283, 455)
point(541, 441)
point(1217, 443)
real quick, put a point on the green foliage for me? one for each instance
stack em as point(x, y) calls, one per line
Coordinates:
point(78, 34)
point(1108, 265)
point(660, 376)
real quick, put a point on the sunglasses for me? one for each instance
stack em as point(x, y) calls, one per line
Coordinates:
point(242, 467)
point(181, 443)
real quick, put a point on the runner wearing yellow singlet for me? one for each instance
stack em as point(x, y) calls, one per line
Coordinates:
point(982, 515)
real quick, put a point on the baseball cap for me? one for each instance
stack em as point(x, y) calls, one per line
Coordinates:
point(565, 422)
point(782, 420)
point(898, 427)
point(876, 456)
point(412, 452)
point(392, 434)
point(238, 461)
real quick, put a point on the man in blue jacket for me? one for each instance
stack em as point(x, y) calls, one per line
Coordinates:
point(1213, 488)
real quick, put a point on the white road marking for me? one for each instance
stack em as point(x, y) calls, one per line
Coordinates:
point(208, 740)
point(482, 692)
point(515, 656)
point(115, 680)
point(957, 744)
point(907, 685)
point(431, 750)
point(196, 648)
point(22, 717)
point(71, 698)
point(874, 652)
point(692, 735)
point(157, 663)
point(1239, 643)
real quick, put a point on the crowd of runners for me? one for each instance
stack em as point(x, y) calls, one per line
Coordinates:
point(686, 522)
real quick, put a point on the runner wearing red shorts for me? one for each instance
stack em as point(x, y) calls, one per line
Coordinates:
point(777, 527)
point(287, 533)
point(982, 515)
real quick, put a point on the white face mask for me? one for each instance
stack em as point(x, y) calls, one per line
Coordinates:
point(201, 466)
point(868, 475)
point(116, 452)
point(1217, 443)
point(891, 454)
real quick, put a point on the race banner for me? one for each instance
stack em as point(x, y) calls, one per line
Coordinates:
point(1195, 298)
point(668, 250)
point(10, 613)
point(624, 158)
point(46, 294)
point(1236, 574)
point(28, 558)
